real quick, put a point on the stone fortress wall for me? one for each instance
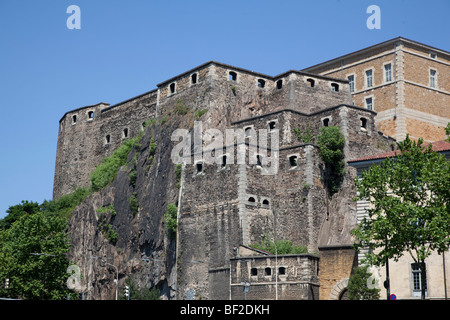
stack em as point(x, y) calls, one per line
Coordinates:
point(224, 206)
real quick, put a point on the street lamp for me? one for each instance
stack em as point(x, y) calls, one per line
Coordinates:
point(246, 286)
point(117, 272)
point(276, 267)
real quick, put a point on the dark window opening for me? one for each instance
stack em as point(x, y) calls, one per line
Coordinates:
point(254, 272)
point(261, 83)
point(363, 123)
point(248, 131)
point(310, 83)
point(251, 200)
point(272, 125)
point(232, 76)
point(268, 271)
point(326, 122)
point(258, 160)
point(334, 87)
point(108, 138)
point(172, 88)
point(293, 161)
point(282, 270)
point(279, 84)
point(194, 78)
point(74, 118)
point(224, 161)
point(91, 115)
point(125, 133)
point(265, 202)
point(199, 167)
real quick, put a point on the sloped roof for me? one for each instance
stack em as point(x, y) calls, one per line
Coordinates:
point(438, 146)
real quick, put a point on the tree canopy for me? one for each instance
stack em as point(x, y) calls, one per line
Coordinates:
point(409, 211)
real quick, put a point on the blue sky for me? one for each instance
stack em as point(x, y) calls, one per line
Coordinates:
point(124, 48)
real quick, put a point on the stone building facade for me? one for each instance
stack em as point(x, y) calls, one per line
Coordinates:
point(405, 280)
point(225, 205)
point(406, 82)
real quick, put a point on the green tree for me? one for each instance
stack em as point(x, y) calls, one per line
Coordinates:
point(409, 212)
point(358, 288)
point(17, 211)
point(32, 258)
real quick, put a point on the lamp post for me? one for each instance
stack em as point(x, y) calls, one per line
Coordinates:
point(246, 286)
point(117, 272)
point(276, 267)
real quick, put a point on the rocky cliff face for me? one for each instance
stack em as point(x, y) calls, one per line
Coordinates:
point(124, 224)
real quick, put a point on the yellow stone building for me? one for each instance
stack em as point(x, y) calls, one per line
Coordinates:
point(406, 82)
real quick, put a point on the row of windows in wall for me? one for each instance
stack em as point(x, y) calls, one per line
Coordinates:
point(387, 77)
point(267, 271)
point(90, 116)
point(261, 83)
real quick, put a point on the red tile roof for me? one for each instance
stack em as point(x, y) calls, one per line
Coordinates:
point(437, 146)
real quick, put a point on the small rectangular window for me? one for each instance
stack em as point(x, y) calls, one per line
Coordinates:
point(351, 83)
point(369, 103)
point(232, 76)
point(369, 79)
point(433, 78)
point(432, 55)
point(387, 73)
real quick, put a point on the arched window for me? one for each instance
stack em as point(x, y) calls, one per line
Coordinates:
point(194, 78)
point(199, 166)
point(265, 202)
point(279, 84)
point(293, 161)
point(326, 122)
point(272, 125)
point(125, 133)
point(172, 87)
point(268, 271)
point(261, 83)
point(251, 200)
point(258, 160)
point(107, 139)
point(363, 123)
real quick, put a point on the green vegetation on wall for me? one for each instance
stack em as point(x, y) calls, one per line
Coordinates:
point(331, 142)
point(170, 218)
point(279, 247)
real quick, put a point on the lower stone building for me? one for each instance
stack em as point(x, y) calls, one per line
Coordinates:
point(257, 275)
